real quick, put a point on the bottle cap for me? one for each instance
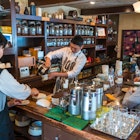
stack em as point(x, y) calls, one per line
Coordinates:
point(32, 3)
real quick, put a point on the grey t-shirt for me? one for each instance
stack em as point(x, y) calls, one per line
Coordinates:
point(132, 99)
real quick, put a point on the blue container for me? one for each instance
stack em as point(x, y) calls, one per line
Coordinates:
point(32, 9)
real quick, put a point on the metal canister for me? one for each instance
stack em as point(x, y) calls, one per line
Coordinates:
point(74, 107)
point(88, 104)
point(99, 93)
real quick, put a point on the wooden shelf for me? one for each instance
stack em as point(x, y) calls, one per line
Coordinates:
point(28, 17)
point(88, 36)
point(49, 37)
point(101, 37)
point(89, 46)
point(100, 25)
point(31, 36)
point(103, 49)
point(24, 132)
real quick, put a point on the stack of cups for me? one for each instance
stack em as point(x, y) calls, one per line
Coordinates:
point(105, 69)
point(118, 68)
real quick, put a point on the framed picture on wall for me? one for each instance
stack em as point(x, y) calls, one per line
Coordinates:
point(130, 43)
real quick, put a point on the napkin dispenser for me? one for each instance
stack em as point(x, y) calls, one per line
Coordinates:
point(26, 61)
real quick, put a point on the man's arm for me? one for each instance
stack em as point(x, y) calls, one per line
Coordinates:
point(57, 74)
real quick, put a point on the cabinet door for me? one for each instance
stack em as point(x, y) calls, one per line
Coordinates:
point(54, 133)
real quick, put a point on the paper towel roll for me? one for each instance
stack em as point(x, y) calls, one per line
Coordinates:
point(38, 11)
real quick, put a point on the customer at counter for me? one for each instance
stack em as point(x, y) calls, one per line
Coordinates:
point(9, 86)
point(137, 78)
point(132, 98)
point(73, 60)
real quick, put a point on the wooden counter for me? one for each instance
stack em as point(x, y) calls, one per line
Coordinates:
point(54, 130)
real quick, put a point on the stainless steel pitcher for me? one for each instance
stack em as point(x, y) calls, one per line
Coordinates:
point(74, 107)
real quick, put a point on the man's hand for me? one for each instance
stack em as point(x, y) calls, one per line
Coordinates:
point(52, 75)
point(34, 92)
point(47, 62)
point(14, 102)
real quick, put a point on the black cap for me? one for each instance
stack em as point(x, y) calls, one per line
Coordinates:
point(77, 40)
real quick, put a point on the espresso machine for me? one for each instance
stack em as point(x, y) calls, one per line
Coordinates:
point(89, 104)
point(74, 107)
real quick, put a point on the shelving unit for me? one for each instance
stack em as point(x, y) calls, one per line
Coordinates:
point(96, 44)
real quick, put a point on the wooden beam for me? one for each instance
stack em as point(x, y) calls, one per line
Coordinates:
point(49, 2)
point(109, 10)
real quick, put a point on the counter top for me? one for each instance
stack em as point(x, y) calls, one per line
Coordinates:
point(37, 112)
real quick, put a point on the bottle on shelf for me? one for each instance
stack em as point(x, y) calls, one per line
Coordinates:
point(26, 11)
point(17, 7)
point(32, 9)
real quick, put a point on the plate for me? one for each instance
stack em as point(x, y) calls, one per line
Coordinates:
point(136, 83)
point(40, 96)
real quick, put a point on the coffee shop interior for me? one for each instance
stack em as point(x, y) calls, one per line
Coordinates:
point(103, 102)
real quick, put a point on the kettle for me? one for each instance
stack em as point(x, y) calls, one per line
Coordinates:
point(74, 107)
point(89, 105)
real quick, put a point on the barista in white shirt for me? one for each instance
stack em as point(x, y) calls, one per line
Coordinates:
point(73, 60)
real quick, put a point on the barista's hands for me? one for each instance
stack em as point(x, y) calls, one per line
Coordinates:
point(52, 75)
point(34, 92)
point(137, 79)
point(57, 74)
point(47, 62)
point(14, 102)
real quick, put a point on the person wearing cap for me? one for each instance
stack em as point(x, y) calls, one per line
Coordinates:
point(10, 87)
point(73, 60)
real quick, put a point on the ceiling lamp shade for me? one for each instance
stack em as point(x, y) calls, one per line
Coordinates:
point(136, 7)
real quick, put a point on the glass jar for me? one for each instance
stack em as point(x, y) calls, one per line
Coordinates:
point(65, 29)
point(82, 30)
point(48, 30)
point(79, 30)
point(60, 30)
point(76, 31)
point(38, 28)
point(32, 28)
point(69, 29)
point(57, 30)
point(19, 28)
point(24, 30)
point(91, 31)
point(52, 29)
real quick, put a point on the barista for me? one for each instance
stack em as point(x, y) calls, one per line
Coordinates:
point(73, 60)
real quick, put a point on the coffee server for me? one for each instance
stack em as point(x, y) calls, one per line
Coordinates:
point(89, 105)
point(75, 100)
